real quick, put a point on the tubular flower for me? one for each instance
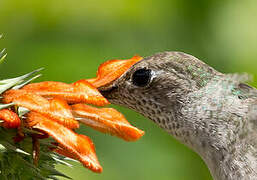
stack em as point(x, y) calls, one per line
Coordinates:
point(55, 109)
point(111, 70)
point(79, 92)
point(78, 147)
point(106, 120)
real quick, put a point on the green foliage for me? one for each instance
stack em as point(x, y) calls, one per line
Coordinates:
point(2, 53)
point(16, 160)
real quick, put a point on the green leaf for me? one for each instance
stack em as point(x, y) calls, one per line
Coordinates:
point(4, 106)
point(3, 55)
point(9, 83)
point(26, 82)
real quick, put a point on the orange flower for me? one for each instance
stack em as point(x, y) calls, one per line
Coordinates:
point(111, 70)
point(55, 108)
point(76, 146)
point(79, 92)
point(11, 119)
point(106, 120)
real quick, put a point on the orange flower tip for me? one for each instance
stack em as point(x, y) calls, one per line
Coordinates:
point(102, 102)
point(74, 125)
point(137, 58)
point(132, 134)
point(91, 162)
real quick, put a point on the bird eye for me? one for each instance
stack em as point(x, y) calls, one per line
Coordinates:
point(141, 77)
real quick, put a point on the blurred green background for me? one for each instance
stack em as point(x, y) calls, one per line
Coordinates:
point(71, 38)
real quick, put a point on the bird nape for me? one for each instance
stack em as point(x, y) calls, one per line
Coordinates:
point(215, 114)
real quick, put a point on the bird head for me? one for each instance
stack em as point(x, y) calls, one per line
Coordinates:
point(157, 86)
point(198, 105)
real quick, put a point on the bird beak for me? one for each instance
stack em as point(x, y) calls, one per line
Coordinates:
point(107, 90)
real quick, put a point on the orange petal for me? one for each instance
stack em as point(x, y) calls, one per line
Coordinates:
point(78, 92)
point(24, 96)
point(111, 70)
point(106, 120)
point(48, 87)
point(11, 119)
point(93, 95)
point(77, 146)
point(63, 152)
point(61, 111)
point(56, 109)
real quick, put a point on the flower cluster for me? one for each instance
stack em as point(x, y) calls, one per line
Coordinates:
point(55, 109)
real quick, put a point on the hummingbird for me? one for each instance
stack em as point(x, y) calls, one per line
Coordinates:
point(214, 114)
